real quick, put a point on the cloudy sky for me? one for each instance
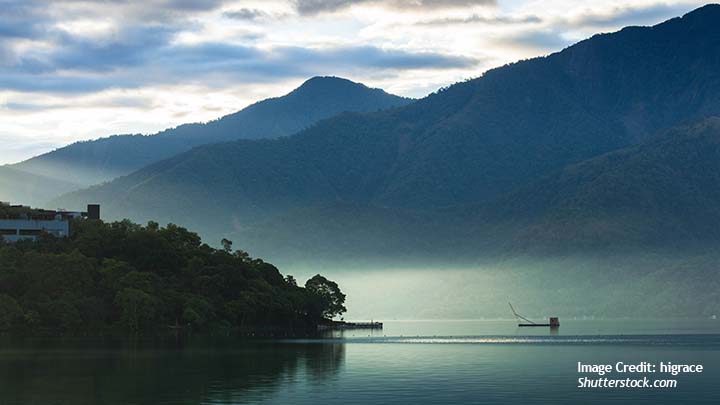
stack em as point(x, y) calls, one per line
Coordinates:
point(81, 69)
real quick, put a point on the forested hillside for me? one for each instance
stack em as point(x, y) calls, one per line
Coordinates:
point(434, 162)
point(123, 278)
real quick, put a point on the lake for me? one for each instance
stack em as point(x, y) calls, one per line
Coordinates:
point(408, 362)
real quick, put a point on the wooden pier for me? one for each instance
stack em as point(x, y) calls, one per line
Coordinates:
point(350, 325)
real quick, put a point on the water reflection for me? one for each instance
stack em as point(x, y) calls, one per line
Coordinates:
point(419, 362)
point(89, 372)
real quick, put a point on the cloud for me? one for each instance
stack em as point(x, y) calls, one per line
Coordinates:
point(478, 19)
point(35, 19)
point(132, 46)
point(311, 7)
point(16, 148)
point(55, 83)
point(107, 102)
point(245, 14)
point(254, 14)
point(148, 56)
point(370, 56)
point(138, 45)
point(133, 11)
point(19, 19)
point(561, 31)
point(541, 39)
point(622, 16)
point(219, 63)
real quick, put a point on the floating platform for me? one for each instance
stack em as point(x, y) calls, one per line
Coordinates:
point(554, 322)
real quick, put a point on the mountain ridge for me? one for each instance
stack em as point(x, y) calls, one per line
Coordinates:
point(96, 161)
point(473, 143)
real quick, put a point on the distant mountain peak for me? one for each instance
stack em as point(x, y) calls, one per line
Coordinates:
point(322, 85)
point(327, 79)
point(318, 98)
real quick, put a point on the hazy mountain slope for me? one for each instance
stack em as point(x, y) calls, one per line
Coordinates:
point(19, 187)
point(222, 186)
point(665, 192)
point(100, 160)
point(659, 196)
point(530, 117)
point(470, 144)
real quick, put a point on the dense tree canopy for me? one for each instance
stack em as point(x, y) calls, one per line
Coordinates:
point(327, 299)
point(123, 277)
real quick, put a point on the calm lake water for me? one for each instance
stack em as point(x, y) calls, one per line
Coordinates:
point(409, 362)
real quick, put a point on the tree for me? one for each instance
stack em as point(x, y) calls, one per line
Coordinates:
point(326, 301)
point(138, 309)
point(290, 280)
point(10, 312)
point(142, 279)
point(227, 245)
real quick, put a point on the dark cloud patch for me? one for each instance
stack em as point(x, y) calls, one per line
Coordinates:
point(220, 63)
point(185, 5)
point(478, 19)
point(22, 19)
point(245, 14)
point(133, 64)
point(10, 28)
point(145, 10)
point(310, 7)
point(143, 51)
point(210, 58)
point(133, 46)
point(34, 19)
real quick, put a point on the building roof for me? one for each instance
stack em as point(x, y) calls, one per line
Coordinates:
point(8, 211)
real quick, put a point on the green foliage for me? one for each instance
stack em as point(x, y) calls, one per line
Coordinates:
point(10, 312)
point(122, 277)
point(138, 309)
point(327, 301)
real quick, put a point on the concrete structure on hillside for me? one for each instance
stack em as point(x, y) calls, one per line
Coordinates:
point(26, 223)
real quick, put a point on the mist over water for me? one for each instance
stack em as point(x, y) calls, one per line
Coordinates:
point(643, 286)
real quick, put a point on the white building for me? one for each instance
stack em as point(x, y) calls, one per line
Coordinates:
point(28, 225)
point(13, 230)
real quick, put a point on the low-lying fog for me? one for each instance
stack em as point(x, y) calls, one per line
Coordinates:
point(619, 287)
